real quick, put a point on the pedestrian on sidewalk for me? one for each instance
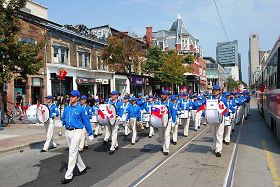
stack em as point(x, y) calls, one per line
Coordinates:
point(88, 112)
point(75, 119)
point(49, 125)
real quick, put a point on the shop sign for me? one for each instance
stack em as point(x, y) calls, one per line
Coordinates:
point(81, 80)
point(137, 81)
point(98, 80)
point(105, 81)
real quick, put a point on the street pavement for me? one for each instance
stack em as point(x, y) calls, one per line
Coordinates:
point(190, 163)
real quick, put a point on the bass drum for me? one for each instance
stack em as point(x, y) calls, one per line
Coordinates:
point(38, 113)
point(159, 116)
point(107, 115)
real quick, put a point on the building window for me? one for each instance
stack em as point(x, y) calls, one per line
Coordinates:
point(60, 54)
point(84, 59)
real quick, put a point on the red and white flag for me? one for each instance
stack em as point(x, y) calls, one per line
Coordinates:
point(222, 109)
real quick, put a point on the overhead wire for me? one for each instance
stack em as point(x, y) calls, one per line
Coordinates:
point(221, 20)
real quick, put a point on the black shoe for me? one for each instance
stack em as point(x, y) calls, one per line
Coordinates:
point(174, 143)
point(43, 150)
point(227, 143)
point(111, 152)
point(132, 143)
point(86, 147)
point(171, 141)
point(95, 136)
point(81, 172)
point(52, 147)
point(105, 142)
point(165, 153)
point(100, 134)
point(195, 129)
point(218, 154)
point(161, 150)
point(117, 148)
point(246, 118)
point(150, 136)
point(232, 130)
point(66, 181)
point(205, 124)
point(198, 127)
point(185, 135)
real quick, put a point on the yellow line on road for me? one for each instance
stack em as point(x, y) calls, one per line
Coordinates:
point(271, 165)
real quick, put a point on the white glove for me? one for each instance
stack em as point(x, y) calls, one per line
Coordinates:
point(90, 138)
point(172, 124)
point(190, 107)
point(119, 118)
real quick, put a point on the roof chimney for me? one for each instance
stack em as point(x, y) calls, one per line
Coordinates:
point(149, 36)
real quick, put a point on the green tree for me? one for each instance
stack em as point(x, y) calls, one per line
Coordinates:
point(232, 84)
point(154, 61)
point(16, 57)
point(189, 59)
point(173, 70)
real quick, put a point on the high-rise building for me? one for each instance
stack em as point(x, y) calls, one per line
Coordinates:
point(227, 55)
point(254, 57)
point(239, 64)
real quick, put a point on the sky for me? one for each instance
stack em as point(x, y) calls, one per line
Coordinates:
point(240, 17)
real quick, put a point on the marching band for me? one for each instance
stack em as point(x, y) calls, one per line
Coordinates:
point(222, 111)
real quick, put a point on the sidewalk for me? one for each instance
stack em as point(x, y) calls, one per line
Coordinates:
point(23, 136)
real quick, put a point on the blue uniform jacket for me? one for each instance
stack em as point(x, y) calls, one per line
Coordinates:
point(148, 106)
point(141, 103)
point(241, 100)
point(196, 105)
point(134, 111)
point(53, 111)
point(247, 98)
point(75, 117)
point(95, 109)
point(88, 111)
point(124, 108)
point(184, 104)
point(228, 105)
point(172, 111)
point(117, 104)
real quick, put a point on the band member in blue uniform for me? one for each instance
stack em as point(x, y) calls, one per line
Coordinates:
point(97, 127)
point(141, 102)
point(49, 126)
point(123, 114)
point(148, 107)
point(74, 119)
point(133, 116)
point(185, 106)
point(88, 112)
point(247, 99)
point(113, 129)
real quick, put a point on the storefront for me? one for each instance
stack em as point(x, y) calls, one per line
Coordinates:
point(137, 84)
point(64, 87)
point(37, 90)
point(86, 85)
point(121, 84)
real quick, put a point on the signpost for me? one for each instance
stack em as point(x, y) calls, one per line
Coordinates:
point(61, 75)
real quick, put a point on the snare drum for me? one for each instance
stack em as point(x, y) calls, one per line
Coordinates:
point(146, 117)
point(38, 113)
point(184, 114)
point(106, 115)
point(212, 114)
point(159, 116)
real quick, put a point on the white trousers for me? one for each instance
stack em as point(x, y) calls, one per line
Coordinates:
point(49, 127)
point(132, 126)
point(247, 109)
point(73, 139)
point(186, 124)
point(240, 113)
point(218, 131)
point(84, 141)
point(97, 129)
point(197, 119)
point(165, 136)
point(175, 132)
point(151, 128)
point(193, 115)
point(112, 131)
point(126, 129)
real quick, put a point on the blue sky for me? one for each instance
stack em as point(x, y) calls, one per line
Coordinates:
point(240, 17)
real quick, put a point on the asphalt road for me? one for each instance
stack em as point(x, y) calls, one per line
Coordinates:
point(190, 163)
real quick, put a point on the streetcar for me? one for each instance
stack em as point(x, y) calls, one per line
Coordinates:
point(268, 94)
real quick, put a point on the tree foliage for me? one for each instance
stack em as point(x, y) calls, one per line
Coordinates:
point(189, 59)
point(124, 54)
point(154, 61)
point(173, 70)
point(232, 84)
point(16, 57)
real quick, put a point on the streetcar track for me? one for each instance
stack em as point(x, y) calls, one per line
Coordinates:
point(148, 173)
